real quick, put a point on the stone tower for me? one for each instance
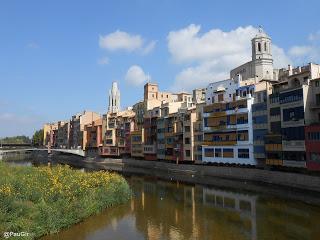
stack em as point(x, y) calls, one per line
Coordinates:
point(114, 98)
point(261, 55)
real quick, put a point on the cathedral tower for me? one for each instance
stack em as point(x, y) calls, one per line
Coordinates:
point(114, 98)
point(261, 55)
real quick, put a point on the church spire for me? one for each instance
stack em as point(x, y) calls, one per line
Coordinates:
point(114, 98)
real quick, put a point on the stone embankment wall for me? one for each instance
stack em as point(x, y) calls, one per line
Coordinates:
point(190, 172)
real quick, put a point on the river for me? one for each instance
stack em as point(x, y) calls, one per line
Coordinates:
point(161, 209)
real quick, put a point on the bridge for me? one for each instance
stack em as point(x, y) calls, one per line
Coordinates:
point(78, 152)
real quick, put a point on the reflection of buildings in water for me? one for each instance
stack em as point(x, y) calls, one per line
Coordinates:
point(244, 204)
point(285, 219)
point(159, 210)
point(178, 211)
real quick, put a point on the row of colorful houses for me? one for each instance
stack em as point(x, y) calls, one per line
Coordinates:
point(259, 116)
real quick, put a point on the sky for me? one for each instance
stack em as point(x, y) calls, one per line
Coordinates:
point(58, 58)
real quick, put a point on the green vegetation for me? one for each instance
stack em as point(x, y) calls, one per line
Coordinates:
point(16, 140)
point(37, 138)
point(43, 200)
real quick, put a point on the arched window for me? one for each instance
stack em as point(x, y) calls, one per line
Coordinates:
point(265, 46)
point(259, 47)
point(296, 82)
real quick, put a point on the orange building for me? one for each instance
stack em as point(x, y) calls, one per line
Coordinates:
point(93, 133)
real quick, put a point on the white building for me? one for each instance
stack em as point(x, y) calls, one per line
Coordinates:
point(114, 99)
point(228, 132)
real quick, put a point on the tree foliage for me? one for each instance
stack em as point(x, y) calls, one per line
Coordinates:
point(16, 140)
point(37, 138)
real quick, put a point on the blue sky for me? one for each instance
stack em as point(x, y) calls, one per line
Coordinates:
point(58, 58)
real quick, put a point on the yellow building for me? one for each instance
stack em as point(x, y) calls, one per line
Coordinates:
point(137, 143)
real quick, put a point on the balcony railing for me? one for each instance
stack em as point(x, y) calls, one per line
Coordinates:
point(293, 145)
point(151, 149)
point(272, 161)
point(273, 147)
point(220, 143)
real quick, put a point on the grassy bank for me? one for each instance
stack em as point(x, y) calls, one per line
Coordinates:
point(42, 200)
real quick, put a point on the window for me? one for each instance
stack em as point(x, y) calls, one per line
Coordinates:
point(187, 128)
point(259, 47)
point(187, 153)
point(292, 96)
point(293, 114)
point(315, 157)
point(318, 99)
point(275, 111)
point(315, 136)
point(228, 153)
point(209, 152)
point(318, 83)
point(293, 133)
point(220, 97)
point(187, 140)
point(242, 135)
point(218, 152)
point(275, 127)
point(243, 153)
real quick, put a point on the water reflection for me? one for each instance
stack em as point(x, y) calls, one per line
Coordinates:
point(171, 210)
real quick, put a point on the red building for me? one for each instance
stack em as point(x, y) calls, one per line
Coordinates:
point(312, 141)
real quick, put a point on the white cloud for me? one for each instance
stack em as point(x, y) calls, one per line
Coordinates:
point(280, 58)
point(187, 45)
point(103, 61)
point(135, 76)
point(199, 76)
point(309, 52)
point(120, 40)
point(299, 51)
point(314, 36)
point(212, 54)
point(148, 48)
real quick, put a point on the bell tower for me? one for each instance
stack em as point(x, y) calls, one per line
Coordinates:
point(114, 98)
point(262, 56)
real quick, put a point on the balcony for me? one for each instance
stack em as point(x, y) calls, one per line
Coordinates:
point(273, 147)
point(292, 123)
point(259, 155)
point(298, 164)
point(275, 118)
point(220, 143)
point(293, 145)
point(149, 149)
point(260, 126)
point(276, 162)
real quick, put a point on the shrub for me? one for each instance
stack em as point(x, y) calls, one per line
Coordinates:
point(43, 200)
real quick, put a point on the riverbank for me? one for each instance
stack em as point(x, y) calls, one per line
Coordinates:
point(44, 200)
point(197, 173)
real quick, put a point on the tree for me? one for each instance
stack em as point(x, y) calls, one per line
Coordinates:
point(37, 138)
point(16, 140)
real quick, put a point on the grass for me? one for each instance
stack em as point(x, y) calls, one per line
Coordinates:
point(43, 200)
